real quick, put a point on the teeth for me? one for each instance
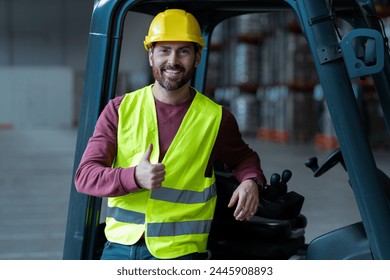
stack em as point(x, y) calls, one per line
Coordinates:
point(173, 71)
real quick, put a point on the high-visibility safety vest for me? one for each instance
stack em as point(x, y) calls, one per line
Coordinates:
point(176, 218)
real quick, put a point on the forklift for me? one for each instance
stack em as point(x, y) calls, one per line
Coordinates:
point(362, 52)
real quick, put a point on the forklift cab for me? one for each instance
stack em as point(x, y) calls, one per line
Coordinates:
point(360, 53)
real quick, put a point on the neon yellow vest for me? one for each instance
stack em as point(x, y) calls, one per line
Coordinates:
point(176, 218)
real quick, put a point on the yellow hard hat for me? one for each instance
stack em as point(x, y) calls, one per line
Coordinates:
point(174, 25)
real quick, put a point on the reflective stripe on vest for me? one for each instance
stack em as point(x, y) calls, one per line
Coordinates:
point(170, 195)
point(176, 218)
point(178, 228)
point(125, 216)
point(159, 229)
point(184, 196)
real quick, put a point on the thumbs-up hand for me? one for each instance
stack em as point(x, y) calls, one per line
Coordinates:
point(149, 176)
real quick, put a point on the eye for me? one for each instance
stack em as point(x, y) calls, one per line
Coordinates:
point(163, 51)
point(185, 51)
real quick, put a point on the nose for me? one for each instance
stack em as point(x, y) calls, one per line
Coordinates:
point(173, 57)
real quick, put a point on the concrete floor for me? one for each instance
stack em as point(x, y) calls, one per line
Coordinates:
point(35, 177)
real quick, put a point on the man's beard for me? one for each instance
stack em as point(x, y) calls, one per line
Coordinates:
point(170, 84)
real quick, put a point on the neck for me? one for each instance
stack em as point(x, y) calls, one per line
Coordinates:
point(172, 97)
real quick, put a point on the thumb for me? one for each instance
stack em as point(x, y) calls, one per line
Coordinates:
point(147, 154)
point(233, 199)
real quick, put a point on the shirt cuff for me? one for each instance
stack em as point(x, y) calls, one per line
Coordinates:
point(127, 180)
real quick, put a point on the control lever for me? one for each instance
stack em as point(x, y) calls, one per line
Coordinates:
point(334, 158)
point(277, 186)
point(286, 176)
point(275, 179)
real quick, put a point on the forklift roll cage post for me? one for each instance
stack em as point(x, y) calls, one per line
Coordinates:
point(336, 63)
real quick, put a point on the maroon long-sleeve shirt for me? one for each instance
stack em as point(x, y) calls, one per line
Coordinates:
point(95, 175)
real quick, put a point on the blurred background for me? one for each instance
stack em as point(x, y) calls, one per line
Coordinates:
point(260, 67)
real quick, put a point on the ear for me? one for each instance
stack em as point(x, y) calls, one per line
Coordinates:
point(197, 58)
point(150, 54)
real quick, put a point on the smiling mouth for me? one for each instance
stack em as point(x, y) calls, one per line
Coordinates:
point(172, 72)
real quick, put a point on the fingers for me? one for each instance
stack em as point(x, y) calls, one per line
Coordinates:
point(148, 175)
point(245, 211)
point(157, 175)
point(247, 198)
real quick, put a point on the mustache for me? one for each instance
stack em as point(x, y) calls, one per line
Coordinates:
point(173, 67)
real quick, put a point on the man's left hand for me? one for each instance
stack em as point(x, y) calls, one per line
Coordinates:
point(247, 198)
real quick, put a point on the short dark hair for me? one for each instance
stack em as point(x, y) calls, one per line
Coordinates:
point(197, 47)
